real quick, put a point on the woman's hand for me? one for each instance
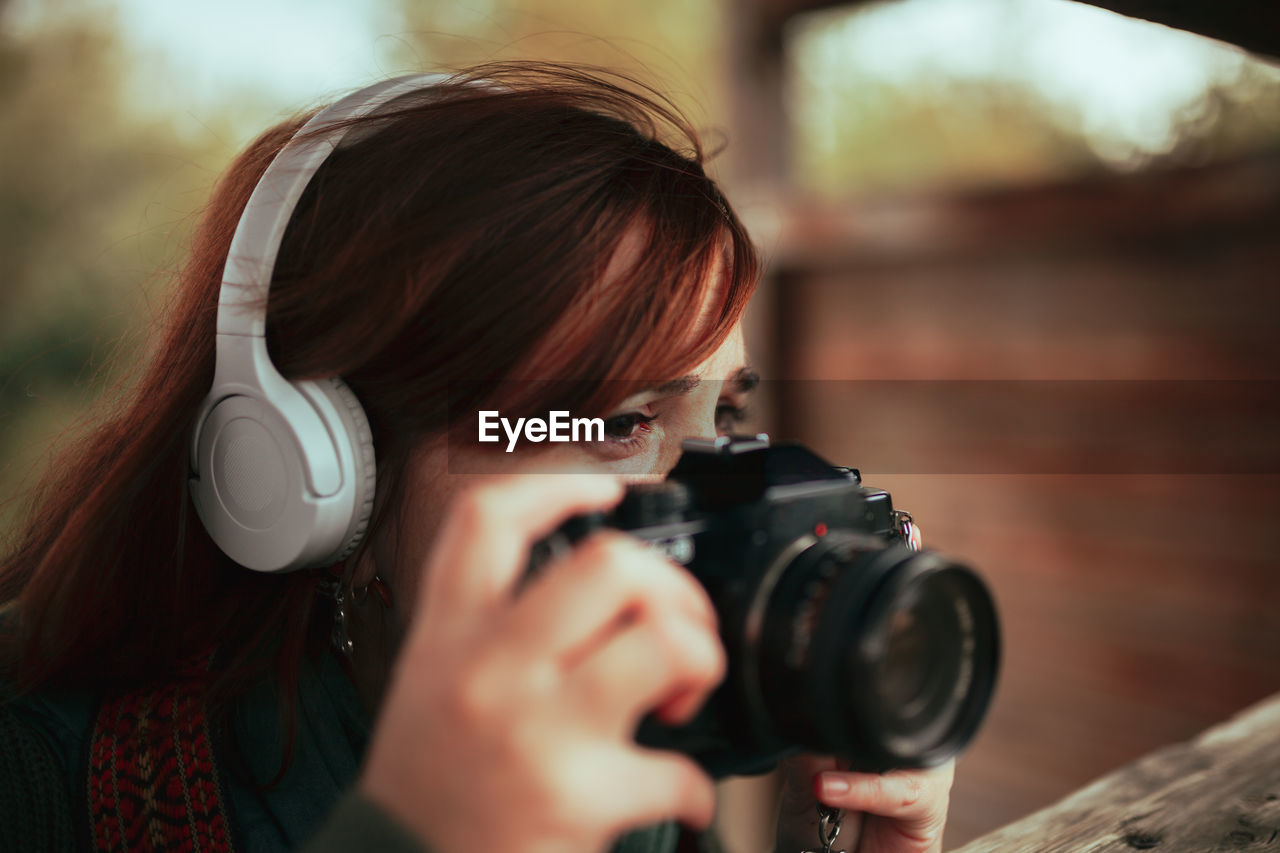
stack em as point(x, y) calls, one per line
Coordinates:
point(509, 721)
point(899, 812)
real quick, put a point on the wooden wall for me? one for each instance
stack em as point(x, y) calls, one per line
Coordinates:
point(1136, 559)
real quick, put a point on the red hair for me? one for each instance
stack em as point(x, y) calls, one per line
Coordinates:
point(463, 235)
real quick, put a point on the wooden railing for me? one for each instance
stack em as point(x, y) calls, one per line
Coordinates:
point(1220, 791)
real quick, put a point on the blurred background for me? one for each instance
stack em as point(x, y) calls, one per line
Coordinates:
point(1023, 267)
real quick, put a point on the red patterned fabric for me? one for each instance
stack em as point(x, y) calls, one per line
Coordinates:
point(153, 783)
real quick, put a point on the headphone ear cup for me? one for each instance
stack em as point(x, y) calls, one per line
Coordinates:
point(355, 425)
point(286, 484)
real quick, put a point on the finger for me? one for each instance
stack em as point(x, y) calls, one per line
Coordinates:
point(666, 661)
point(915, 795)
point(660, 786)
point(569, 609)
point(484, 542)
point(798, 775)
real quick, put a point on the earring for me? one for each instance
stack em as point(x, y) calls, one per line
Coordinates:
point(378, 587)
point(342, 594)
point(334, 589)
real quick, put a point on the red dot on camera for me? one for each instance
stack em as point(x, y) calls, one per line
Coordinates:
point(820, 529)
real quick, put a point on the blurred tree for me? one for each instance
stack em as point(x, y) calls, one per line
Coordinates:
point(94, 205)
point(869, 137)
point(882, 101)
point(1231, 120)
point(674, 44)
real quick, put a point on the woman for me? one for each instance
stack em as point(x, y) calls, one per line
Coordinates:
point(515, 224)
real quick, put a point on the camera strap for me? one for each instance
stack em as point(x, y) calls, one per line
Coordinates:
point(828, 827)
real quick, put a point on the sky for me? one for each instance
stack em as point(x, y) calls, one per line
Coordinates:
point(1128, 81)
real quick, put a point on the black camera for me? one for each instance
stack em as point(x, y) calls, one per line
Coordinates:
point(842, 637)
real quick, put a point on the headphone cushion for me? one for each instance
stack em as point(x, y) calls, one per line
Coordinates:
point(356, 427)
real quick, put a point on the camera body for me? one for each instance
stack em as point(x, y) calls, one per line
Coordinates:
point(810, 574)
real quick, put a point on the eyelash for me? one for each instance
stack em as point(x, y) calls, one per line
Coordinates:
point(640, 426)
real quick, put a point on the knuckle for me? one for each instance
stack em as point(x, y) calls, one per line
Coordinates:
point(669, 637)
point(696, 653)
point(913, 790)
point(649, 574)
point(676, 585)
point(620, 559)
point(706, 658)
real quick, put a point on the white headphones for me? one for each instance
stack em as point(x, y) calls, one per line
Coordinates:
point(282, 472)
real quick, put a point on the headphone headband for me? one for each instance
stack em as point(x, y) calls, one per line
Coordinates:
point(252, 257)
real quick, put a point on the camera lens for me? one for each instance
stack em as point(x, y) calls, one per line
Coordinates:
point(903, 675)
point(923, 670)
point(881, 655)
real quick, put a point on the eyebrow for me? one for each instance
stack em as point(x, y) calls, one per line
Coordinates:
point(676, 387)
point(743, 381)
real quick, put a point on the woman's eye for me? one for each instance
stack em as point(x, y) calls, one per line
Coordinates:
point(627, 426)
point(729, 416)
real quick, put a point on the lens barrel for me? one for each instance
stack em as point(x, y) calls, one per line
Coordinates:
point(882, 655)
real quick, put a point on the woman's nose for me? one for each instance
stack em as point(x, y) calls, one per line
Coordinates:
point(704, 425)
point(705, 429)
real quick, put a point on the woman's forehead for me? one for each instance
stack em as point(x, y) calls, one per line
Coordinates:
point(729, 361)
